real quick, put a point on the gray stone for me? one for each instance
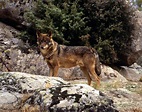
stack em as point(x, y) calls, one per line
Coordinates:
point(112, 76)
point(134, 50)
point(49, 94)
point(76, 98)
point(125, 100)
point(132, 73)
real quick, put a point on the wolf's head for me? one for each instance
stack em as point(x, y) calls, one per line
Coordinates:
point(45, 42)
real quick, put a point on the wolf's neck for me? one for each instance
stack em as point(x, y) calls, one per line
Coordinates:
point(50, 54)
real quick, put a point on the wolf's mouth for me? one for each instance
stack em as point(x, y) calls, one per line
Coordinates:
point(46, 47)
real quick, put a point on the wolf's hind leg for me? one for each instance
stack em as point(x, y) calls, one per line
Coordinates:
point(86, 73)
point(95, 76)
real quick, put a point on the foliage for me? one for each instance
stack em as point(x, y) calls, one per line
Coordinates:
point(104, 24)
point(62, 18)
point(111, 26)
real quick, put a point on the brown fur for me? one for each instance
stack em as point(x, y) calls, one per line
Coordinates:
point(61, 56)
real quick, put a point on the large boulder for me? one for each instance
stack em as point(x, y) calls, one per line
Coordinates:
point(10, 16)
point(110, 75)
point(34, 93)
point(131, 73)
point(134, 50)
point(12, 12)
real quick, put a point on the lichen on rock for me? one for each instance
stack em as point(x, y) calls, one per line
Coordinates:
point(51, 94)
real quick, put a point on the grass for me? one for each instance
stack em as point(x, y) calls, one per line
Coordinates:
point(135, 87)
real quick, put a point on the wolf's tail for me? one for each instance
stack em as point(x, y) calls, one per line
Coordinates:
point(97, 62)
point(97, 65)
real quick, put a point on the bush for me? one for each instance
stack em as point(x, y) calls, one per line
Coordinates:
point(62, 18)
point(108, 22)
point(111, 26)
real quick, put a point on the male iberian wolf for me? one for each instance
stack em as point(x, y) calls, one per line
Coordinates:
point(61, 56)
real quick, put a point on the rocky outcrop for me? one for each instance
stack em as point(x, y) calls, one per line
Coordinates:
point(34, 93)
point(110, 75)
point(10, 16)
point(134, 50)
point(22, 92)
point(12, 12)
point(132, 73)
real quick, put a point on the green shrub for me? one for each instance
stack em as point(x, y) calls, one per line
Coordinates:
point(62, 18)
point(111, 26)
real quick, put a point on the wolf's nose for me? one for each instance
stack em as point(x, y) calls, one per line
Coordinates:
point(42, 47)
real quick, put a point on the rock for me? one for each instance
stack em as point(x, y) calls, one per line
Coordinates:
point(125, 100)
point(110, 75)
point(9, 101)
point(11, 16)
point(49, 94)
point(134, 50)
point(7, 32)
point(71, 73)
point(76, 98)
point(139, 61)
point(132, 73)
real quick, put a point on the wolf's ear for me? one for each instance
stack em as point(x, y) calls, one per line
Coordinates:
point(38, 34)
point(50, 34)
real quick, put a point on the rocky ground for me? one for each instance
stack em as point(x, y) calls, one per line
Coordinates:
point(126, 94)
point(21, 92)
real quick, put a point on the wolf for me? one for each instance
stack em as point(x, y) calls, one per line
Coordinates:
point(61, 56)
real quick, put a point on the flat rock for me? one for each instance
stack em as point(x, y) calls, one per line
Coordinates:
point(132, 73)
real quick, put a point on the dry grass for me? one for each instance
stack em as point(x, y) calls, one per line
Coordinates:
point(135, 87)
point(132, 110)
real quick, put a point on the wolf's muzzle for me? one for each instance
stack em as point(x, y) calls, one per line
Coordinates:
point(44, 47)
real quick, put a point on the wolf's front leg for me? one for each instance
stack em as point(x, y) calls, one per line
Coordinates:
point(50, 72)
point(50, 69)
point(55, 71)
